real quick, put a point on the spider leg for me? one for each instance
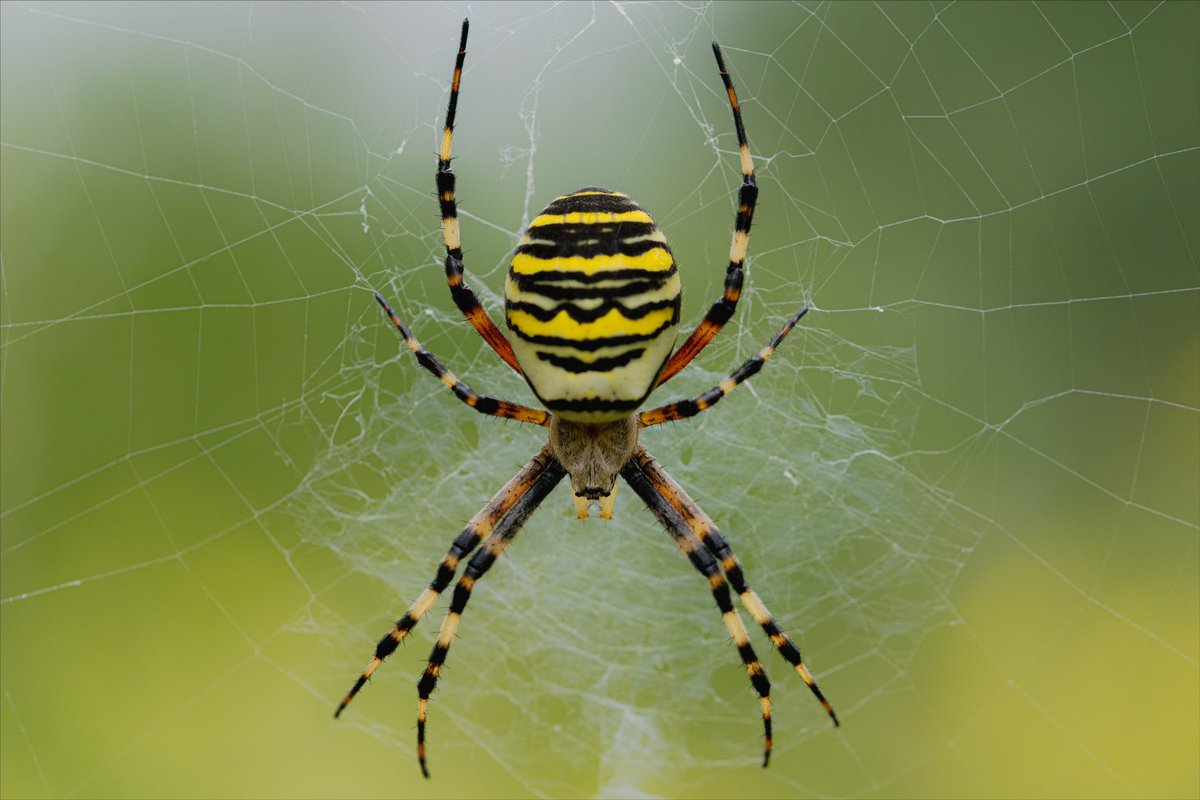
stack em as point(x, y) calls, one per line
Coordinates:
point(462, 294)
point(484, 405)
point(690, 408)
point(722, 309)
point(702, 526)
point(644, 485)
point(494, 516)
point(539, 477)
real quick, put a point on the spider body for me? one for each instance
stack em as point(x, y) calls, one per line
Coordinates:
point(592, 301)
point(593, 454)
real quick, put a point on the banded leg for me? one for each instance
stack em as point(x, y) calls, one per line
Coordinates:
point(706, 564)
point(722, 309)
point(690, 408)
point(545, 473)
point(706, 531)
point(494, 516)
point(484, 405)
point(463, 297)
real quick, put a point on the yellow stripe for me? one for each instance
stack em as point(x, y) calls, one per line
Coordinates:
point(590, 218)
point(449, 628)
point(737, 631)
point(611, 324)
point(756, 608)
point(747, 164)
point(450, 233)
point(423, 604)
point(656, 260)
point(739, 245)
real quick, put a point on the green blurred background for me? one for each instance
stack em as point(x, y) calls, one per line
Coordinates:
point(967, 484)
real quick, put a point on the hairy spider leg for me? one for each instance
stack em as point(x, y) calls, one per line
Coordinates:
point(462, 294)
point(481, 403)
point(690, 408)
point(705, 530)
point(540, 476)
point(706, 565)
point(493, 516)
point(723, 308)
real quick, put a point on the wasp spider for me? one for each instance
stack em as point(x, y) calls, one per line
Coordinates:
point(592, 300)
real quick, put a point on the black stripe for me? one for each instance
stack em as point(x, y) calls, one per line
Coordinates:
point(572, 231)
point(594, 344)
point(429, 677)
point(586, 315)
point(484, 405)
point(531, 285)
point(593, 246)
point(427, 360)
point(445, 186)
point(444, 575)
point(592, 404)
point(572, 203)
point(721, 311)
point(747, 196)
point(734, 573)
point(599, 365)
point(595, 277)
point(354, 690)
point(790, 653)
point(387, 645)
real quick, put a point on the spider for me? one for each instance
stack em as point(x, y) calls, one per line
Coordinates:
point(592, 300)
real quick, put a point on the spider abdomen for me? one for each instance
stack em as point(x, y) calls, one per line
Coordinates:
point(592, 299)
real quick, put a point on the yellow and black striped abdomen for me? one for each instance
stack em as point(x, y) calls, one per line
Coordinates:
point(592, 299)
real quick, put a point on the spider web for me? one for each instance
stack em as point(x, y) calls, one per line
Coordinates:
point(967, 484)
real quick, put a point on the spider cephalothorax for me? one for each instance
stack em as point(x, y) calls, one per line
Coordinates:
point(592, 300)
point(593, 454)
